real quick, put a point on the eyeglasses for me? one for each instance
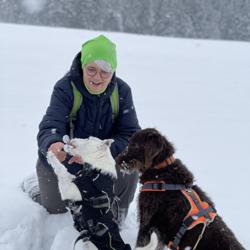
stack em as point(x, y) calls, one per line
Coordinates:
point(92, 71)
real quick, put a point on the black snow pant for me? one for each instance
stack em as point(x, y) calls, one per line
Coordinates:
point(124, 187)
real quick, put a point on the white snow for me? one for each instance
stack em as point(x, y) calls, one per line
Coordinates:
point(196, 92)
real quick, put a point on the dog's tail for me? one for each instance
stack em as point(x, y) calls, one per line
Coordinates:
point(152, 245)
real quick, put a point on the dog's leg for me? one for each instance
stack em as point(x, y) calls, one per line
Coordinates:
point(68, 189)
point(152, 245)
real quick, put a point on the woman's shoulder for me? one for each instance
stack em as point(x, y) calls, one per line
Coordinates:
point(64, 82)
point(63, 88)
point(123, 87)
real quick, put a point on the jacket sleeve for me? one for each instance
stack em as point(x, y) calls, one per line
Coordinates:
point(54, 123)
point(126, 123)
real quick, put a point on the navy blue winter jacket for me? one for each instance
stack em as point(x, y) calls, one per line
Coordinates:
point(94, 117)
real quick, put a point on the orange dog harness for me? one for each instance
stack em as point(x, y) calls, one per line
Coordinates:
point(200, 211)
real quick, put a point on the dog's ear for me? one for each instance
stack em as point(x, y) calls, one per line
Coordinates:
point(153, 147)
point(106, 143)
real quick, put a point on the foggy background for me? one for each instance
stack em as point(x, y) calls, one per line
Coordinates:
point(209, 19)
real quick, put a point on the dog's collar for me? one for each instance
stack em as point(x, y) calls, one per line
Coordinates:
point(168, 161)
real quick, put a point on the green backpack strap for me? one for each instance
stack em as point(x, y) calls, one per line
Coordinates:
point(114, 100)
point(76, 105)
point(77, 102)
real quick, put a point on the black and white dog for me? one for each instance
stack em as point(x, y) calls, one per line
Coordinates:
point(90, 193)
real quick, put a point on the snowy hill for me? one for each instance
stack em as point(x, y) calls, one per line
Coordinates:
point(196, 92)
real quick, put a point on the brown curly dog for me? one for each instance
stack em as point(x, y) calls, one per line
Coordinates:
point(180, 213)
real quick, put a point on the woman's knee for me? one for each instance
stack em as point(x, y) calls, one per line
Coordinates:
point(49, 191)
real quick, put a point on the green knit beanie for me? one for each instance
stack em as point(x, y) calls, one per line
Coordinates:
point(99, 48)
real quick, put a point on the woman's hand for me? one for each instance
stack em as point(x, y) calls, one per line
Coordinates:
point(75, 159)
point(57, 149)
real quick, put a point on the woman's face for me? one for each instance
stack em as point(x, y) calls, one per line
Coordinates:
point(96, 79)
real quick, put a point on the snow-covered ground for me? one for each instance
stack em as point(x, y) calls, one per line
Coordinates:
point(196, 92)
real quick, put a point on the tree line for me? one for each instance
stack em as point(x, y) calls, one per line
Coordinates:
point(212, 19)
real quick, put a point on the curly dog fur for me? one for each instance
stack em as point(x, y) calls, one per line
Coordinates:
point(163, 212)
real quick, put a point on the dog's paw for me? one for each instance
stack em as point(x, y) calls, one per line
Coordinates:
point(152, 245)
point(59, 168)
point(51, 158)
point(67, 188)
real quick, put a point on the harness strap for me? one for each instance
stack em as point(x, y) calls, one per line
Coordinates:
point(200, 236)
point(98, 202)
point(161, 186)
point(200, 211)
point(174, 245)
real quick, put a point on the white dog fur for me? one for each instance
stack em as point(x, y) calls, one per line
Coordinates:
point(97, 153)
point(94, 151)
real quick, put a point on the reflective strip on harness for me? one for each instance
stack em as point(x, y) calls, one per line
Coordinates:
point(200, 211)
